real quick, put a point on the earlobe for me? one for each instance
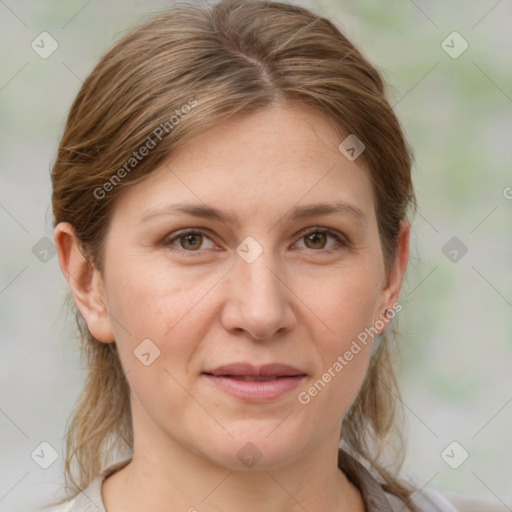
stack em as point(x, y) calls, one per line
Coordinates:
point(85, 282)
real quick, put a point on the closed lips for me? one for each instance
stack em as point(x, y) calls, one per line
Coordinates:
point(256, 384)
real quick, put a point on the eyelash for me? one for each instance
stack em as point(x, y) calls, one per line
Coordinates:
point(341, 240)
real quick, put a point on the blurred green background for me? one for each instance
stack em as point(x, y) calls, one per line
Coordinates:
point(456, 346)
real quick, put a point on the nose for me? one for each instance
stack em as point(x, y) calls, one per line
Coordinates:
point(258, 299)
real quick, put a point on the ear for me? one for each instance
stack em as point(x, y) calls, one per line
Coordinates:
point(84, 281)
point(391, 291)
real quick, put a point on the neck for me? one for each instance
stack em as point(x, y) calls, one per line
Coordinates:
point(195, 484)
point(166, 476)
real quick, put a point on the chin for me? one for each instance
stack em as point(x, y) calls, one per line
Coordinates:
point(254, 452)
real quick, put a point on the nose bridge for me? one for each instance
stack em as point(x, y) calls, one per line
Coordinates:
point(258, 301)
point(260, 281)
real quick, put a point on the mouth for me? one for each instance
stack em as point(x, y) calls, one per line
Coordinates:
point(255, 384)
point(249, 378)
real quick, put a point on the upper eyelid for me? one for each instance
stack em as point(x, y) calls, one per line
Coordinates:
point(182, 232)
point(321, 229)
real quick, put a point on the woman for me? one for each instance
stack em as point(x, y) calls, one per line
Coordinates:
point(230, 199)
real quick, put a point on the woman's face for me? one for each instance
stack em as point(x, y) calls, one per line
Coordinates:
point(255, 245)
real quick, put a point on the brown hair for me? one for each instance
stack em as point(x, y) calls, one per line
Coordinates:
point(201, 65)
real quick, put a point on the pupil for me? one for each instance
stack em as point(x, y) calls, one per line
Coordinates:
point(191, 238)
point(316, 237)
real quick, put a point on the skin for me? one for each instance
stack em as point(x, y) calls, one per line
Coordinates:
point(203, 306)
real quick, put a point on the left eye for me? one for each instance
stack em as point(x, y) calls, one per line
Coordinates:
point(317, 239)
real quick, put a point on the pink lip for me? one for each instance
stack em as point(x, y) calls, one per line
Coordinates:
point(266, 370)
point(279, 379)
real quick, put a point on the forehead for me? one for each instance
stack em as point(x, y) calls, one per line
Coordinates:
point(264, 162)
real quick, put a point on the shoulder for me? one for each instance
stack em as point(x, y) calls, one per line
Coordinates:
point(90, 499)
point(63, 507)
point(468, 504)
point(431, 500)
point(426, 500)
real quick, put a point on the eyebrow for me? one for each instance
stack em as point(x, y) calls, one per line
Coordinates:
point(296, 213)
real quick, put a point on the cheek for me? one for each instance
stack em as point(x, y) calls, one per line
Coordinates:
point(343, 306)
point(172, 313)
point(343, 310)
point(331, 392)
point(164, 307)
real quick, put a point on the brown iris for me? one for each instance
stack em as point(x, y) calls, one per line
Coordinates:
point(316, 238)
point(193, 239)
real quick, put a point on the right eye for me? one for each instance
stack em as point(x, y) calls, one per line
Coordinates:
point(187, 241)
